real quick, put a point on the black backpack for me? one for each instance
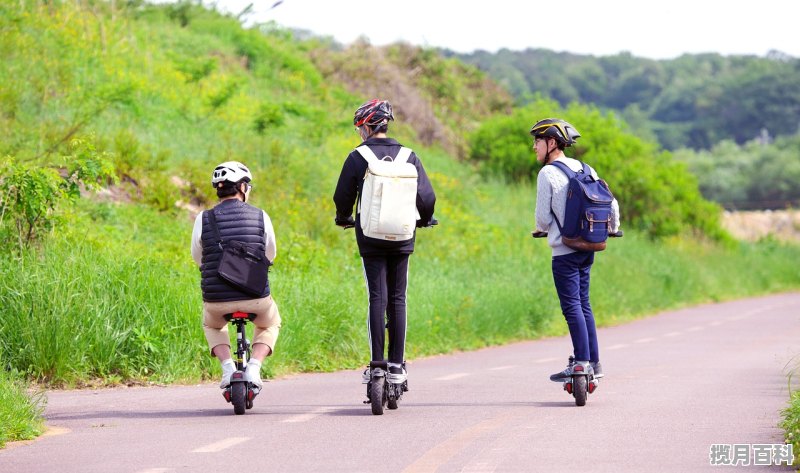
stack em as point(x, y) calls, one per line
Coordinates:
point(587, 219)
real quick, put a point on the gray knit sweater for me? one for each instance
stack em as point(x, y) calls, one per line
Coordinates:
point(551, 193)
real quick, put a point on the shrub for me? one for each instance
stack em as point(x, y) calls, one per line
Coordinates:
point(30, 195)
point(656, 194)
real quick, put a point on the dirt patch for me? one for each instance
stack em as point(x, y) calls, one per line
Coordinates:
point(129, 191)
point(754, 225)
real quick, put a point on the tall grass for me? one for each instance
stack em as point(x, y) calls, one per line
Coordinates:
point(115, 296)
point(791, 415)
point(20, 411)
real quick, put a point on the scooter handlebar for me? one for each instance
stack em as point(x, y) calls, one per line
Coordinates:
point(351, 223)
point(537, 234)
point(431, 223)
point(345, 223)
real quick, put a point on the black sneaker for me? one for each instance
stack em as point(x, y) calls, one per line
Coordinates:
point(598, 370)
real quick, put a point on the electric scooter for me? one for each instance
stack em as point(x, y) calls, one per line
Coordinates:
point(240, 392)
point(582, 382)
point(380, 392)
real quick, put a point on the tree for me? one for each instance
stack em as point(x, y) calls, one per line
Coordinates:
point(30, 195)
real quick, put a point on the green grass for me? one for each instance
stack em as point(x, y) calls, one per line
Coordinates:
point(115, 295)
point(20, 411)
point(791, 415)
point(791, 426)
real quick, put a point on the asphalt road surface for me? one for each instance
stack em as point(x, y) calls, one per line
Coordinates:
point(676, 384)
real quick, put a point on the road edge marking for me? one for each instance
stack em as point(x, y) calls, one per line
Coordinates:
point(221, 445)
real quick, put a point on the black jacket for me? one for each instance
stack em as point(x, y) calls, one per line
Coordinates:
point(348, 192)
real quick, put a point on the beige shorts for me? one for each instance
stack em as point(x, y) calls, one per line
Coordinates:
point(267, 322)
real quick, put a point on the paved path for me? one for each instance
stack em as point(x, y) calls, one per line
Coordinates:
point(675, 384)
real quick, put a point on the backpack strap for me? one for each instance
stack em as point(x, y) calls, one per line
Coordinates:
point(570, 174)
point(403, 155)
point(566, 169)
point(367, 153)
point(212, 219)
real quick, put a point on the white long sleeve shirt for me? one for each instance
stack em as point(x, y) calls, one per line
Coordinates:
point(270, 250)
point(551, 193)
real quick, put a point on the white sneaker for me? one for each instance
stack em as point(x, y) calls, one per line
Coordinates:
point(228, 368)
point(253, 373)
point(397, 373)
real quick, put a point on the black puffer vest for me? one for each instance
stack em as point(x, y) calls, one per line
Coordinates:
point(236, 220)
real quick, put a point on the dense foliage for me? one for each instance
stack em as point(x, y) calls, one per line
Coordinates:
point(755, 175)
point(656, 193)
point(692, 101)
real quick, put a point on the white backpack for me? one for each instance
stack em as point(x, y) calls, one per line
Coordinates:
point(388, 204)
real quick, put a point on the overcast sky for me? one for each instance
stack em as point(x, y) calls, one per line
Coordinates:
point(655, 29)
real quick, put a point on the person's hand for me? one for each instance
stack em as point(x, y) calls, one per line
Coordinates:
point(430, 223)
point(345, 222)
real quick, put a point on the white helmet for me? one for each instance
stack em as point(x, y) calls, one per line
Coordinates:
point(231, 171)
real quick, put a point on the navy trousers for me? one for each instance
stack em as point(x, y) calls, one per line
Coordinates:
point(571, 276)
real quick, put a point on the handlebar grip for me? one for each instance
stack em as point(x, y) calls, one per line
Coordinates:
point(345, 223)
point(535, 234)
point(432, 222)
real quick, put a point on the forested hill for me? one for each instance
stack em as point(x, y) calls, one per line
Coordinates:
point(692, 101)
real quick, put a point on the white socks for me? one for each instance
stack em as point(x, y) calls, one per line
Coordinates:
point(253, 372)
point(228, 367)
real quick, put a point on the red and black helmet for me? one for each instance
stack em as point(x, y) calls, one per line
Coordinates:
point(374, 113)
point(562, 131)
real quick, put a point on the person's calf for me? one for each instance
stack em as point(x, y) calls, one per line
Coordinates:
point(222, 352)
point(260, 351)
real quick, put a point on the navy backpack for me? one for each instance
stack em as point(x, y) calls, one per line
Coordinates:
point(587, 219)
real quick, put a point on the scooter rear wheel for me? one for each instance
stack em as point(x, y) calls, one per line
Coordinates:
point(238, 397)
point(377, 395)
point(579, 386)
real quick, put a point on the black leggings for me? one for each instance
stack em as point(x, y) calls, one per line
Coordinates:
point(387, 278)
